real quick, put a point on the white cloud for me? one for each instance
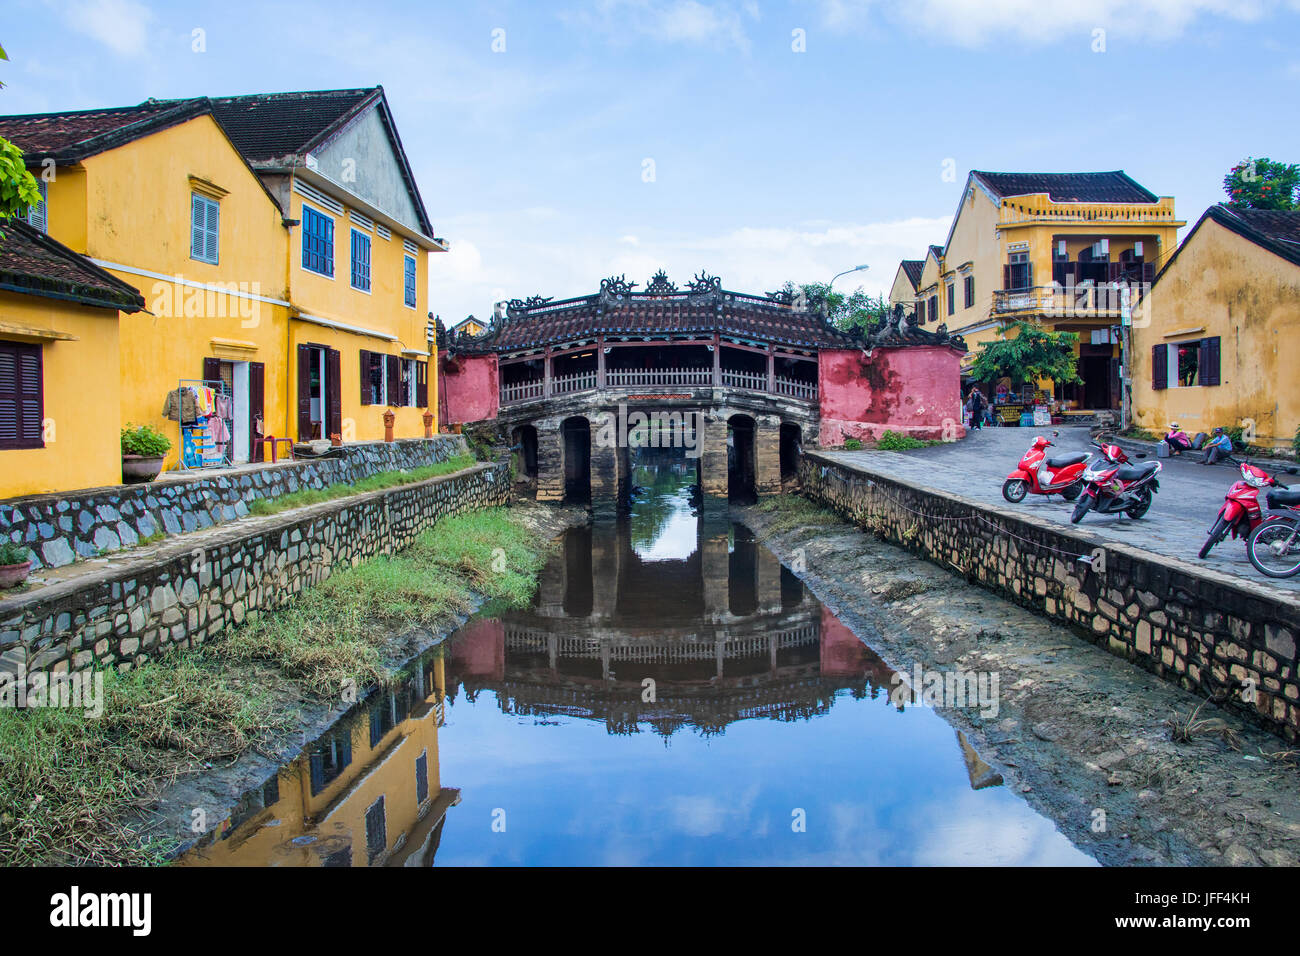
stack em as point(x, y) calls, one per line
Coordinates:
point(977, 22)
point(121, 25)
point(690, 22)
point(571, 259)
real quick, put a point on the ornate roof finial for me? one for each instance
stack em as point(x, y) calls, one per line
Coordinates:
point(617, 285)
point(659, 284)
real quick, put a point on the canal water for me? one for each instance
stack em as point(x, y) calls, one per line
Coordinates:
point(674, 696)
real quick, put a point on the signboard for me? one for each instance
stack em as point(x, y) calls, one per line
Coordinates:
point(1042, 416)
point(1008, 414)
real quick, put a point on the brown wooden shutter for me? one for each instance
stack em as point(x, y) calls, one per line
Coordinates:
point(256, 407)
point(1113, 271)
point(1006, 277)
point(1159, 366)
point(22, 396)
point(212, 369)
point(393, 380)
point(365, 377)
point(304, 392)
point(1209, 361)
point(333, 394)
point(1148, 272)
point(422, 384)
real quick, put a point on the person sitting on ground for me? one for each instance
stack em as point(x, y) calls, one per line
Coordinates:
point(1177, 439)
point(1217, 448)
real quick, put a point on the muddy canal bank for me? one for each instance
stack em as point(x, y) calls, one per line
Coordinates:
point(1096, 744)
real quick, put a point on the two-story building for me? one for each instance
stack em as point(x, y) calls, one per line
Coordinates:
point(1216, 342)
point(280, 243)
point(1062, 249)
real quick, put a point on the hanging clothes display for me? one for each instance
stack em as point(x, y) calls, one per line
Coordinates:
point(205, 410)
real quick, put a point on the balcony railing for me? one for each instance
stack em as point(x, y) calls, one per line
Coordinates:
point(1026, 210)
point(1097, 301)
point(657, 378)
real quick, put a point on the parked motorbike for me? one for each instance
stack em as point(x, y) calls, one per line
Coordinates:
point(1111, 485)
point(1241, 513)
point(1274, 546)
point(1040, 475)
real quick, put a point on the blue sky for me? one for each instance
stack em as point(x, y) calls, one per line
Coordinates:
point(768, 164)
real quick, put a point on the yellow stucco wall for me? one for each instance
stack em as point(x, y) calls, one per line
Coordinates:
point(135, 203)
point(1224, 285)
point(901, 291)
point(82, 442)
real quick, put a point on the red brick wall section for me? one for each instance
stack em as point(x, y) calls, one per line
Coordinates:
point(469, 388)
point(915, 391)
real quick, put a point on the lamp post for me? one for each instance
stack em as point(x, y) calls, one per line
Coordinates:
point(861, 268)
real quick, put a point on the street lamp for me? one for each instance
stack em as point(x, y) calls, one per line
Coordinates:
point(825, 309)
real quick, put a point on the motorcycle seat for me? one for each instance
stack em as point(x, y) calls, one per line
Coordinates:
point(1134, 472)
point(1283, 499)
point(1061, 461)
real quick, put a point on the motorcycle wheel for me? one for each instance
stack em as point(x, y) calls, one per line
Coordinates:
point(1272, 551)
point(1081, 509)
point(1014, 490)
point(1072, 492)
point(1139, 509)
point(1217, 534)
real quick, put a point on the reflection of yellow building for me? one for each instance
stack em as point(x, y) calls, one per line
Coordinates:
point(1217, 341)
point(280, 243)
point(59, 398)
point(368, 793)
point(1052, 248)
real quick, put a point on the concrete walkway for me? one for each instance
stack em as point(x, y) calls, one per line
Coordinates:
point(1177, 524)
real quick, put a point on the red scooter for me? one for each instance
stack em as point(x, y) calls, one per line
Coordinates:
point(1241, 513)
point(1041, 475)
point(1111, 485)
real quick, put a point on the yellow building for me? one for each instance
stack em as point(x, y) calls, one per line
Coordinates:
point(1053, 248)
point(1216, 342)
point(906, 280)
point(59, 384)
point(469, 326)
point(280, 244)
point(368, 793)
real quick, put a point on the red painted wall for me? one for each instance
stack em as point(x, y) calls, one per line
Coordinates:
point(915, 391)
point(469, 390)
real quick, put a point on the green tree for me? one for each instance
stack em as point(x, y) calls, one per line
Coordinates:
point(18, 188)
point(1262, 184)
point(854, 311)
point(1033, 354)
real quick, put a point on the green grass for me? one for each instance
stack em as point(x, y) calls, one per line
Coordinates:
point(67, 778)
point(68, 782)
point(893, 441)
point(375, 482)
point(791, 511)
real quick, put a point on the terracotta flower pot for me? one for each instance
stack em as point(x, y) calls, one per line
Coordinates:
point(11, 575)
point(428, 424)
point(139, 468)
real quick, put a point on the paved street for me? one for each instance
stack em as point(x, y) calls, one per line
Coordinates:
point(1177, 524)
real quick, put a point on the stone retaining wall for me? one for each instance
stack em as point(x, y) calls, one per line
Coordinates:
point(184, 594)
point(60, 528)
point(1223, 636)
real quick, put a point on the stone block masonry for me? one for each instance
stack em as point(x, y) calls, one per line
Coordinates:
point(1222, 636)
point(61, 528)
point(184, 594)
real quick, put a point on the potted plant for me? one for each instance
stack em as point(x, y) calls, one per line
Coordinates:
point(15, 564)
point(143, 451)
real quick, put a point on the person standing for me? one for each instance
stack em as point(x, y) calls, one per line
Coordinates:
point(977, 405)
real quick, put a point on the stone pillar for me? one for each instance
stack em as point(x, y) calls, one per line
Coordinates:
point(767, 455)
point(550, 460)
point(769, 581)
point(606, 550)
point(715, 568)
point(604, 468)
point(713, 456)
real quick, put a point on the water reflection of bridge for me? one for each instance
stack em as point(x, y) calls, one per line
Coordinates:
point(716, 632)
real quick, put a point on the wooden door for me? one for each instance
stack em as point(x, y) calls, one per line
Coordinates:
point(333, 394)
point(256, 409)
point(305, 355)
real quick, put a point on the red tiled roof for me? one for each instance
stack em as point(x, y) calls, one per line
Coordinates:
point(913, 268)
point(33, 263)
point(1113, 186)
point(702, 312)
point(267, 126)
point(76, 134)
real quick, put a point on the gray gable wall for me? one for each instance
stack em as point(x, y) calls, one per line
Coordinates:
point(362, 160)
